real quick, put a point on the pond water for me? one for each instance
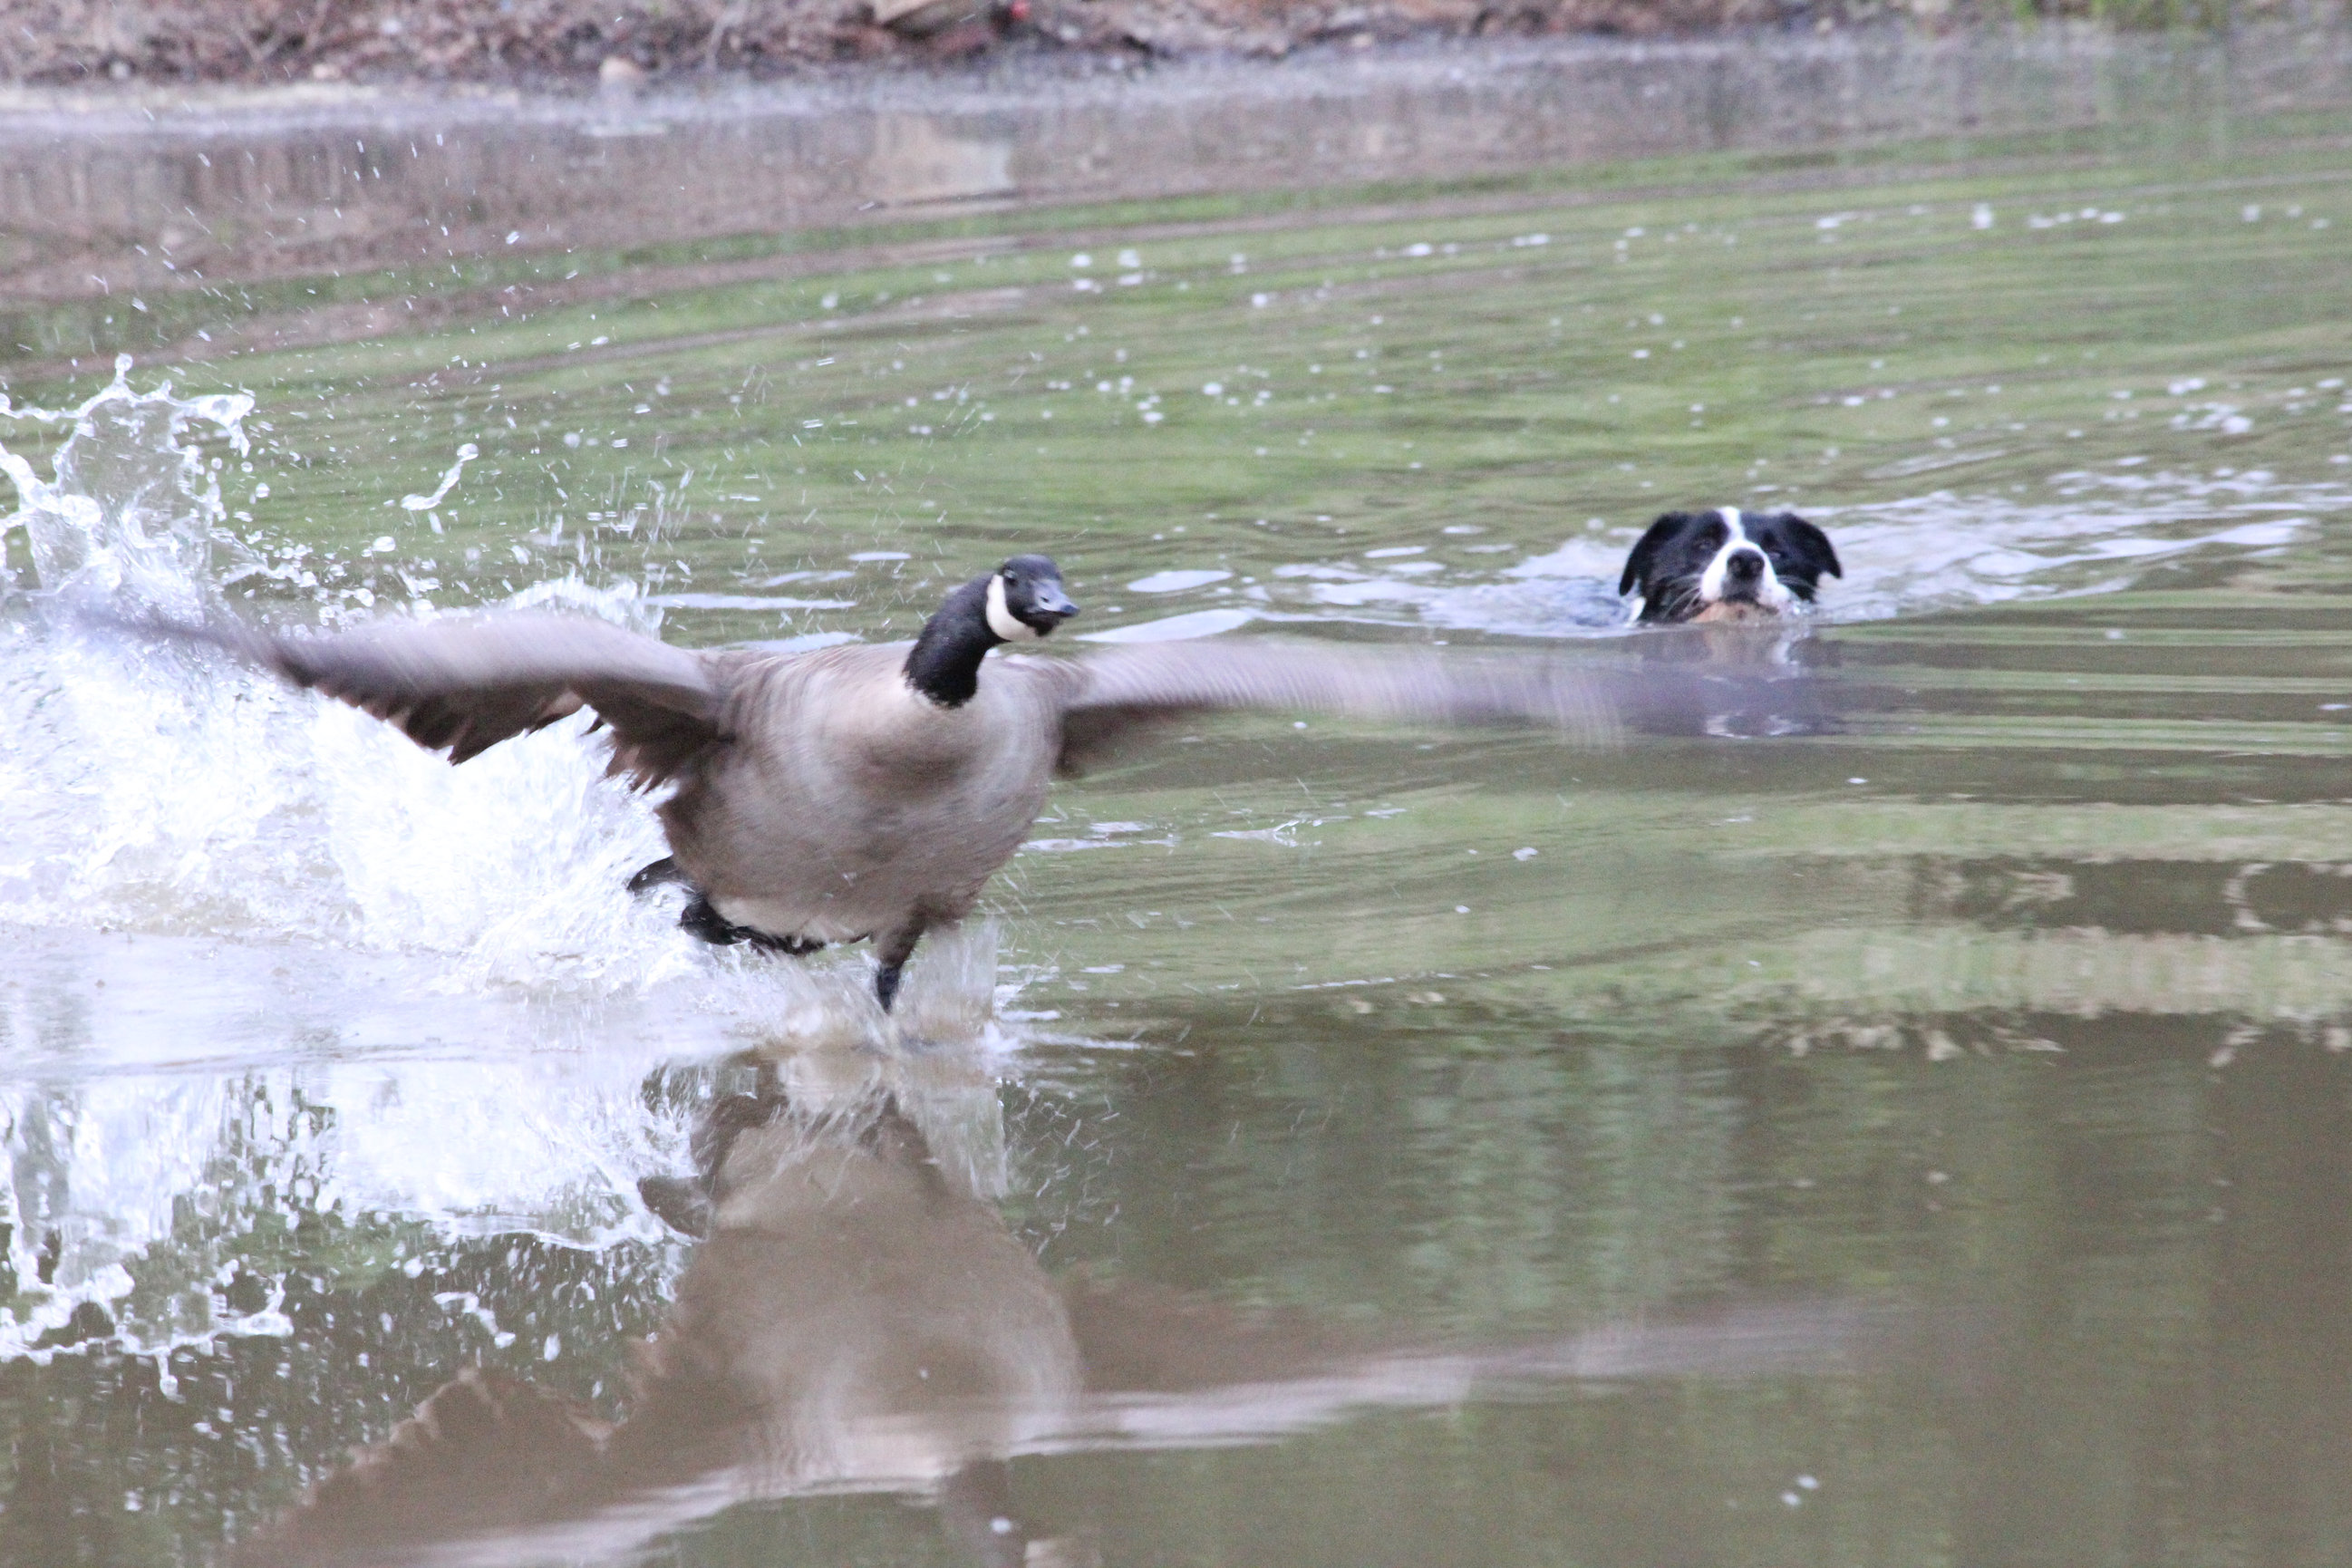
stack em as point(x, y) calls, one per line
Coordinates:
point(1928, 1140)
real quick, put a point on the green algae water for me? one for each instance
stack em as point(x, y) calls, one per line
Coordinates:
point(1925, 1140)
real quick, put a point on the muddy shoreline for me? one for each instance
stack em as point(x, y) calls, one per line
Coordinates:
point(555, 44)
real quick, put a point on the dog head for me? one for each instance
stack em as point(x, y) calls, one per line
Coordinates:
point(1727, 565)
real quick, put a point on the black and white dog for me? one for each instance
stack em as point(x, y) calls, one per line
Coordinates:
point(1724, 565)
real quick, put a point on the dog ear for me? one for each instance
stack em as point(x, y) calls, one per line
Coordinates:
point(1812, 544)
point(1645, 550)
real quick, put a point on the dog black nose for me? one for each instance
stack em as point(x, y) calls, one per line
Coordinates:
point(1745, 567)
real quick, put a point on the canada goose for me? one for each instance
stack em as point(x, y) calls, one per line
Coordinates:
point(871, 790)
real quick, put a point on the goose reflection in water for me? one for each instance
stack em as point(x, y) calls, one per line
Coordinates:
point(859, 1316)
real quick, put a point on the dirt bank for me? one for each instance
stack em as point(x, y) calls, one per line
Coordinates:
point(552, 42)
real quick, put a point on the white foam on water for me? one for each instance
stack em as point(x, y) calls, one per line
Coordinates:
point(178, 795)
point(148, 1072)
point(151, 1073)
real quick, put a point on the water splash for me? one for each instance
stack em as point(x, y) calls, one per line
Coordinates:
point(173, 795)
point(138, 1197)
point(415, 503)
point(337, 1083)
point(132, 512)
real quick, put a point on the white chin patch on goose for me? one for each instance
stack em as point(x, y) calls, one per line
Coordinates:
point(1001, 618)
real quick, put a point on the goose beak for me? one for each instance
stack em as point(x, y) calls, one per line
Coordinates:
point(1051, 602)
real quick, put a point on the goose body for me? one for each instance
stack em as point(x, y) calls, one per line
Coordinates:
point(850, 805)
point(871, 790)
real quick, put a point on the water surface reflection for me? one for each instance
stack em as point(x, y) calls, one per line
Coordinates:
point(858, 1316)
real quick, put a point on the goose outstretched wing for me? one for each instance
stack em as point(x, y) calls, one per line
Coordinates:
point(463, 684)
point(1585, 701)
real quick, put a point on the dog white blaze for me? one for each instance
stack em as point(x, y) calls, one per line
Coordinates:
point(1770, 592)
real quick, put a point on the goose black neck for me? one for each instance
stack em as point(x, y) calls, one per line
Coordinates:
point(945, 663)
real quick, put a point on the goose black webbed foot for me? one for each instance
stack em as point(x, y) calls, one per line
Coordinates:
point(704, 921)
point(678, 1201)
point(660, 873)
point(892, 950)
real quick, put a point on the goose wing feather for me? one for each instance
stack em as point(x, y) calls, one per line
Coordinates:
point(463, 684)
point(1113, 691)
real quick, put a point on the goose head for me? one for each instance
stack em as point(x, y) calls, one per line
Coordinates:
point(1021, 601)
point(1025, 599)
